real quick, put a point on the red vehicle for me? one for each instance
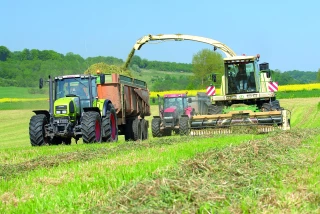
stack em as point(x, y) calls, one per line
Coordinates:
point(174, 114)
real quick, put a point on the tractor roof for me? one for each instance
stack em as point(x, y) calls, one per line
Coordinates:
point(74, 76)
point(174, 95)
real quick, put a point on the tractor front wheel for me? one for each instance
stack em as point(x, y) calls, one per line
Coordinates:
point(91, 127)
point(184, 126)
point(37, 130)
point(155, 126)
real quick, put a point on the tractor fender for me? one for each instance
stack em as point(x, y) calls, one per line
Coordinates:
point(106, 107)
point(86, 109)
point(45, 112)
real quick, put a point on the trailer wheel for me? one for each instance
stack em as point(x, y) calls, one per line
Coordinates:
point(136, 129)
point(91, 127)
point(184, 126)
point(37, 130)
point(214, 109)
point(128, 130)
point(144, 129)
point(109, 124)
point(155, 126)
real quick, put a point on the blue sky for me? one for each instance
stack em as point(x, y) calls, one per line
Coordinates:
point(285, 33)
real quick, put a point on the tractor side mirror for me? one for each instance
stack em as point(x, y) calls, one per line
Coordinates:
point(102, 78)
point(189, 100)
point(40, 83)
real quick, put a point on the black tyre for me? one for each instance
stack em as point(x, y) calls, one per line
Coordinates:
point(184, 126)
point(214, 109)
point(109, 124)
point(128, 134)
point(136, 129)
point(144, 129)
point(37, 130)
point(155, 126)
point(91, 127)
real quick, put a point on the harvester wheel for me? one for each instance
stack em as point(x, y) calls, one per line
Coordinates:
point(214, 109)
point(156, 127)
point(144, 129)
point(136, 129)
point(109, 124)
point(184, 126)
point(91, 127)
point(37, 130)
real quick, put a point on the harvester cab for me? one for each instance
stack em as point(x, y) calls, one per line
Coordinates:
point(174, 114)
point(74, 112)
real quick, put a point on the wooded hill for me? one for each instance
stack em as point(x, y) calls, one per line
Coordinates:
point(24, 68)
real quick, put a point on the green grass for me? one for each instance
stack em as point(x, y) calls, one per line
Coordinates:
point(20, 92)
point(298, 94)
point(231, 173)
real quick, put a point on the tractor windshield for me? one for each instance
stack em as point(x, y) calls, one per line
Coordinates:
point(179, 102)
point(240, 77)
point(76, 86)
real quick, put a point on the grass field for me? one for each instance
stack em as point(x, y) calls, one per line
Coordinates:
point(237, 173)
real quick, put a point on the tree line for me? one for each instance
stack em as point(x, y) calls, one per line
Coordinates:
point(24, 68)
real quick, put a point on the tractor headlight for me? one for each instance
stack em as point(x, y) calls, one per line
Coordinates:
point(61, 109)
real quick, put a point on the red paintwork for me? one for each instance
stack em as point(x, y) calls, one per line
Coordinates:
point(170, 109)
point(188, 111)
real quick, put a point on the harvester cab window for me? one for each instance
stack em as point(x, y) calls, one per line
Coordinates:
point(241, 77)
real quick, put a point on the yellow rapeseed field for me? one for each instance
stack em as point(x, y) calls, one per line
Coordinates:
point(10, 100)
point(297, 87)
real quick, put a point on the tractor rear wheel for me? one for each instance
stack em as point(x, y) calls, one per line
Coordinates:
point(109, 124)
point(144, 129)
point(215, 109)
point(155, 126)
point(184, 126)
point(91, 127)
point(37, 130)
point(136, 129)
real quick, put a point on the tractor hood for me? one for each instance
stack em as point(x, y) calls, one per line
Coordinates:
point(170, 109)
point(67, 106)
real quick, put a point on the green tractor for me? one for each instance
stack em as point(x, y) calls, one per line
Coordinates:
point(74, 112)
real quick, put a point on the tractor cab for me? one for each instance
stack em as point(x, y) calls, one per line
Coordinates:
point(240, 75)
point(76, 86)
point(175, 103)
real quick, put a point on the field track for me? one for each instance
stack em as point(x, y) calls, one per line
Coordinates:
point(274, 173)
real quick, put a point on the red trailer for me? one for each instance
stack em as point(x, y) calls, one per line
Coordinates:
point(130, 98)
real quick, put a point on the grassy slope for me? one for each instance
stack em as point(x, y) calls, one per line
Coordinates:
point(82, 177)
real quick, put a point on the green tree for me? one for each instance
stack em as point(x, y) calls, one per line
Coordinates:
point(4, 53)
point(207, 62)
point(318, 75)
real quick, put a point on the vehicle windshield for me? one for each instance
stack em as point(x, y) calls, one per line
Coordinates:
point(76, 86)
point(179, 102)
point(241, 78)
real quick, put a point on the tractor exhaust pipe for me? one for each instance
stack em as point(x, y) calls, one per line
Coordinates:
point(51, 97)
